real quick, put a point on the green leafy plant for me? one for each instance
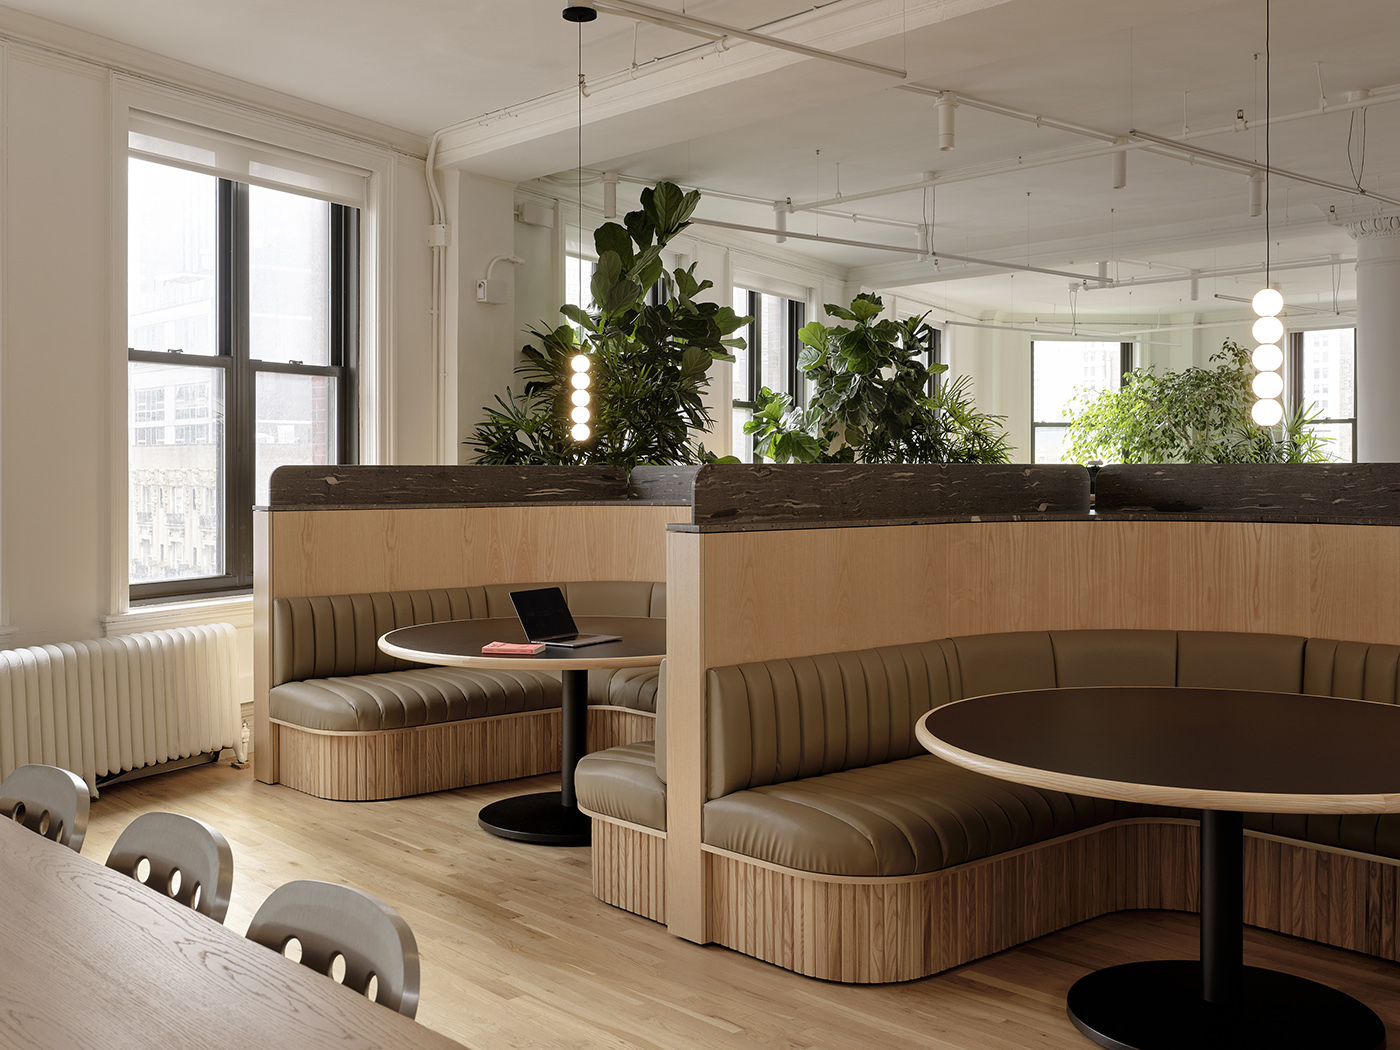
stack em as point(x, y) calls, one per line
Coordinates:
point(1194, 415)
point(871, 400)
point(650, 363)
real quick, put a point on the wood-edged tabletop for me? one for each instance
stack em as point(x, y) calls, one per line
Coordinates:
point(457, 643)
point(93, 959)
point(1221, 749)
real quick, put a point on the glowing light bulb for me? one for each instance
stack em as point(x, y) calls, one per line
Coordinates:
point(580, 415)
point(1268, 330)
point(580, 380)
point(581, 432)
point(1268, 385)
point(580, 397)
point(1268, 358)
point(580, 363)
point(1267, 413)
point(1267, 302)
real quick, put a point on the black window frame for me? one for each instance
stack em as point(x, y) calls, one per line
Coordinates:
point(753, 336)
point(240, 373)
point(1295, 381)
point(1125, 365)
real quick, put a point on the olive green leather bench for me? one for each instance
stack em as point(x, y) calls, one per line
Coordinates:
point(352, 722)
point(825, 819)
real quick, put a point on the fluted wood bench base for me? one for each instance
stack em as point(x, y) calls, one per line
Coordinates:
point(393, 763)
point(866, 931)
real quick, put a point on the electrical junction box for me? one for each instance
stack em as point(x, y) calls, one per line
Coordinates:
point(535, 215)
point(490, 291)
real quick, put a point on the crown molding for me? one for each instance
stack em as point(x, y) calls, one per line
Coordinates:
point(45, 35)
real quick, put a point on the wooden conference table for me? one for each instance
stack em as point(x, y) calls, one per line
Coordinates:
point(1224, 752)
point(90, 958)
point(548, 818)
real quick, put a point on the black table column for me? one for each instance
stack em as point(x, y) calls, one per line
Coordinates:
point(551, 818)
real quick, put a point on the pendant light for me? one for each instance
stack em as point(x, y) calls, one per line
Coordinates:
point(581, 363)
point(1267, 302)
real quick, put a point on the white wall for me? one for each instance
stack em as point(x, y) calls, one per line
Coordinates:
point(63, 369)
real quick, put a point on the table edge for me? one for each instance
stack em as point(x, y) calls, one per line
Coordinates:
point(1158, 794)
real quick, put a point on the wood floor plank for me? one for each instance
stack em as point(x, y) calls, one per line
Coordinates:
point(516, 952)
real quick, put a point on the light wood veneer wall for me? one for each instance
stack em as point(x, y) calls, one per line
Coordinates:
point(298, 553)
point(744, 596)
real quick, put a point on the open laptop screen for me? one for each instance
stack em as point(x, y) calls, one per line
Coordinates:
point(544, 614)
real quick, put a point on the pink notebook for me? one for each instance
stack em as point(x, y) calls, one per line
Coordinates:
point(512, 648)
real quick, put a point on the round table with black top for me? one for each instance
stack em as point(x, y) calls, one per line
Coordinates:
point(1224, 752)
point(549, 818)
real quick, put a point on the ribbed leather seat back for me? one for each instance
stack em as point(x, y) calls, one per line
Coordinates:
point(338, 635)
point(782, 720)
point(1355, 670)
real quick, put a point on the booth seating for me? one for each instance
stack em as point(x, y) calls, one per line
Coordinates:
point(836, 846)
point(352, 722)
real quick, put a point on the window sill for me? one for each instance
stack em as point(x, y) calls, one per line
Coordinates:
point(235, 609)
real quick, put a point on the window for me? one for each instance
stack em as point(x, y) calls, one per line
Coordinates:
point(243, 322)
point(769, 359)
point(1323, 367)
point(148, 406)
point(1060, 371)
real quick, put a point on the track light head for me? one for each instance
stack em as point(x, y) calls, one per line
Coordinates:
point(579, 13)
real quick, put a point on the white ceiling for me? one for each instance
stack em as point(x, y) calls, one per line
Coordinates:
point(751, 122)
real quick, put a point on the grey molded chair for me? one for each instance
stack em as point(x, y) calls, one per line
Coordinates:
point(187, 860)
point(49, 800)
point(333, 921)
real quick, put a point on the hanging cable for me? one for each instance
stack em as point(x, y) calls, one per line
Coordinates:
point(1357, 171)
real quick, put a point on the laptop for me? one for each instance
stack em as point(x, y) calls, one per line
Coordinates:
point(545, 617)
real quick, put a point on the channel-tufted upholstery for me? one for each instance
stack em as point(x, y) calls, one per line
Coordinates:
point(328, 673)
point(813, 764)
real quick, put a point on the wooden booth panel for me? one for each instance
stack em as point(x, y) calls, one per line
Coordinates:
point(350, 551)
point(788, 593)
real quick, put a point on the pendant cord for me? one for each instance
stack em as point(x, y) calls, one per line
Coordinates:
point(1268, 159)
point(580, 137)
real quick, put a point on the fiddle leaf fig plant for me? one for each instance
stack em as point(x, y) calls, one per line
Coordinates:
point(871, 399)
point(650, 361)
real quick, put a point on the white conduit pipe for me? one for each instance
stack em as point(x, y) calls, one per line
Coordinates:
point(717, 31)
point(438, 312)
point(1282, 173)
point(1173, 149)
point(822, 238)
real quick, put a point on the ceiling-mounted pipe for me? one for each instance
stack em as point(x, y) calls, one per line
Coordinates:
point(1173, 149)
point(1282, 173)
point(717, 31)
point(1287, 309)
point(1228, 271)
point(822, 238)
point(1089, 337)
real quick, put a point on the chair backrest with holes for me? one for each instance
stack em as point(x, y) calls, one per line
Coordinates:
point(49, 800)
point(332, 921)
point(185, 859)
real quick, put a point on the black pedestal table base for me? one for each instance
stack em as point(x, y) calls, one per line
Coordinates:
point(542, 819)
point(1158, 1006)
point(551, 818)
point(1218, 1002)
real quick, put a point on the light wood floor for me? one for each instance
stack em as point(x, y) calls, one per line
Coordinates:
point(517, 953)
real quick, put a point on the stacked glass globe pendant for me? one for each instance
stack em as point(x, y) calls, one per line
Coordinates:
point(1268, 358)
point(580, 382)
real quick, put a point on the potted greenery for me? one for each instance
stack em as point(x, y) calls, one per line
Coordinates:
point(650, 361)
point(1195, 415)
point(873, 400)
